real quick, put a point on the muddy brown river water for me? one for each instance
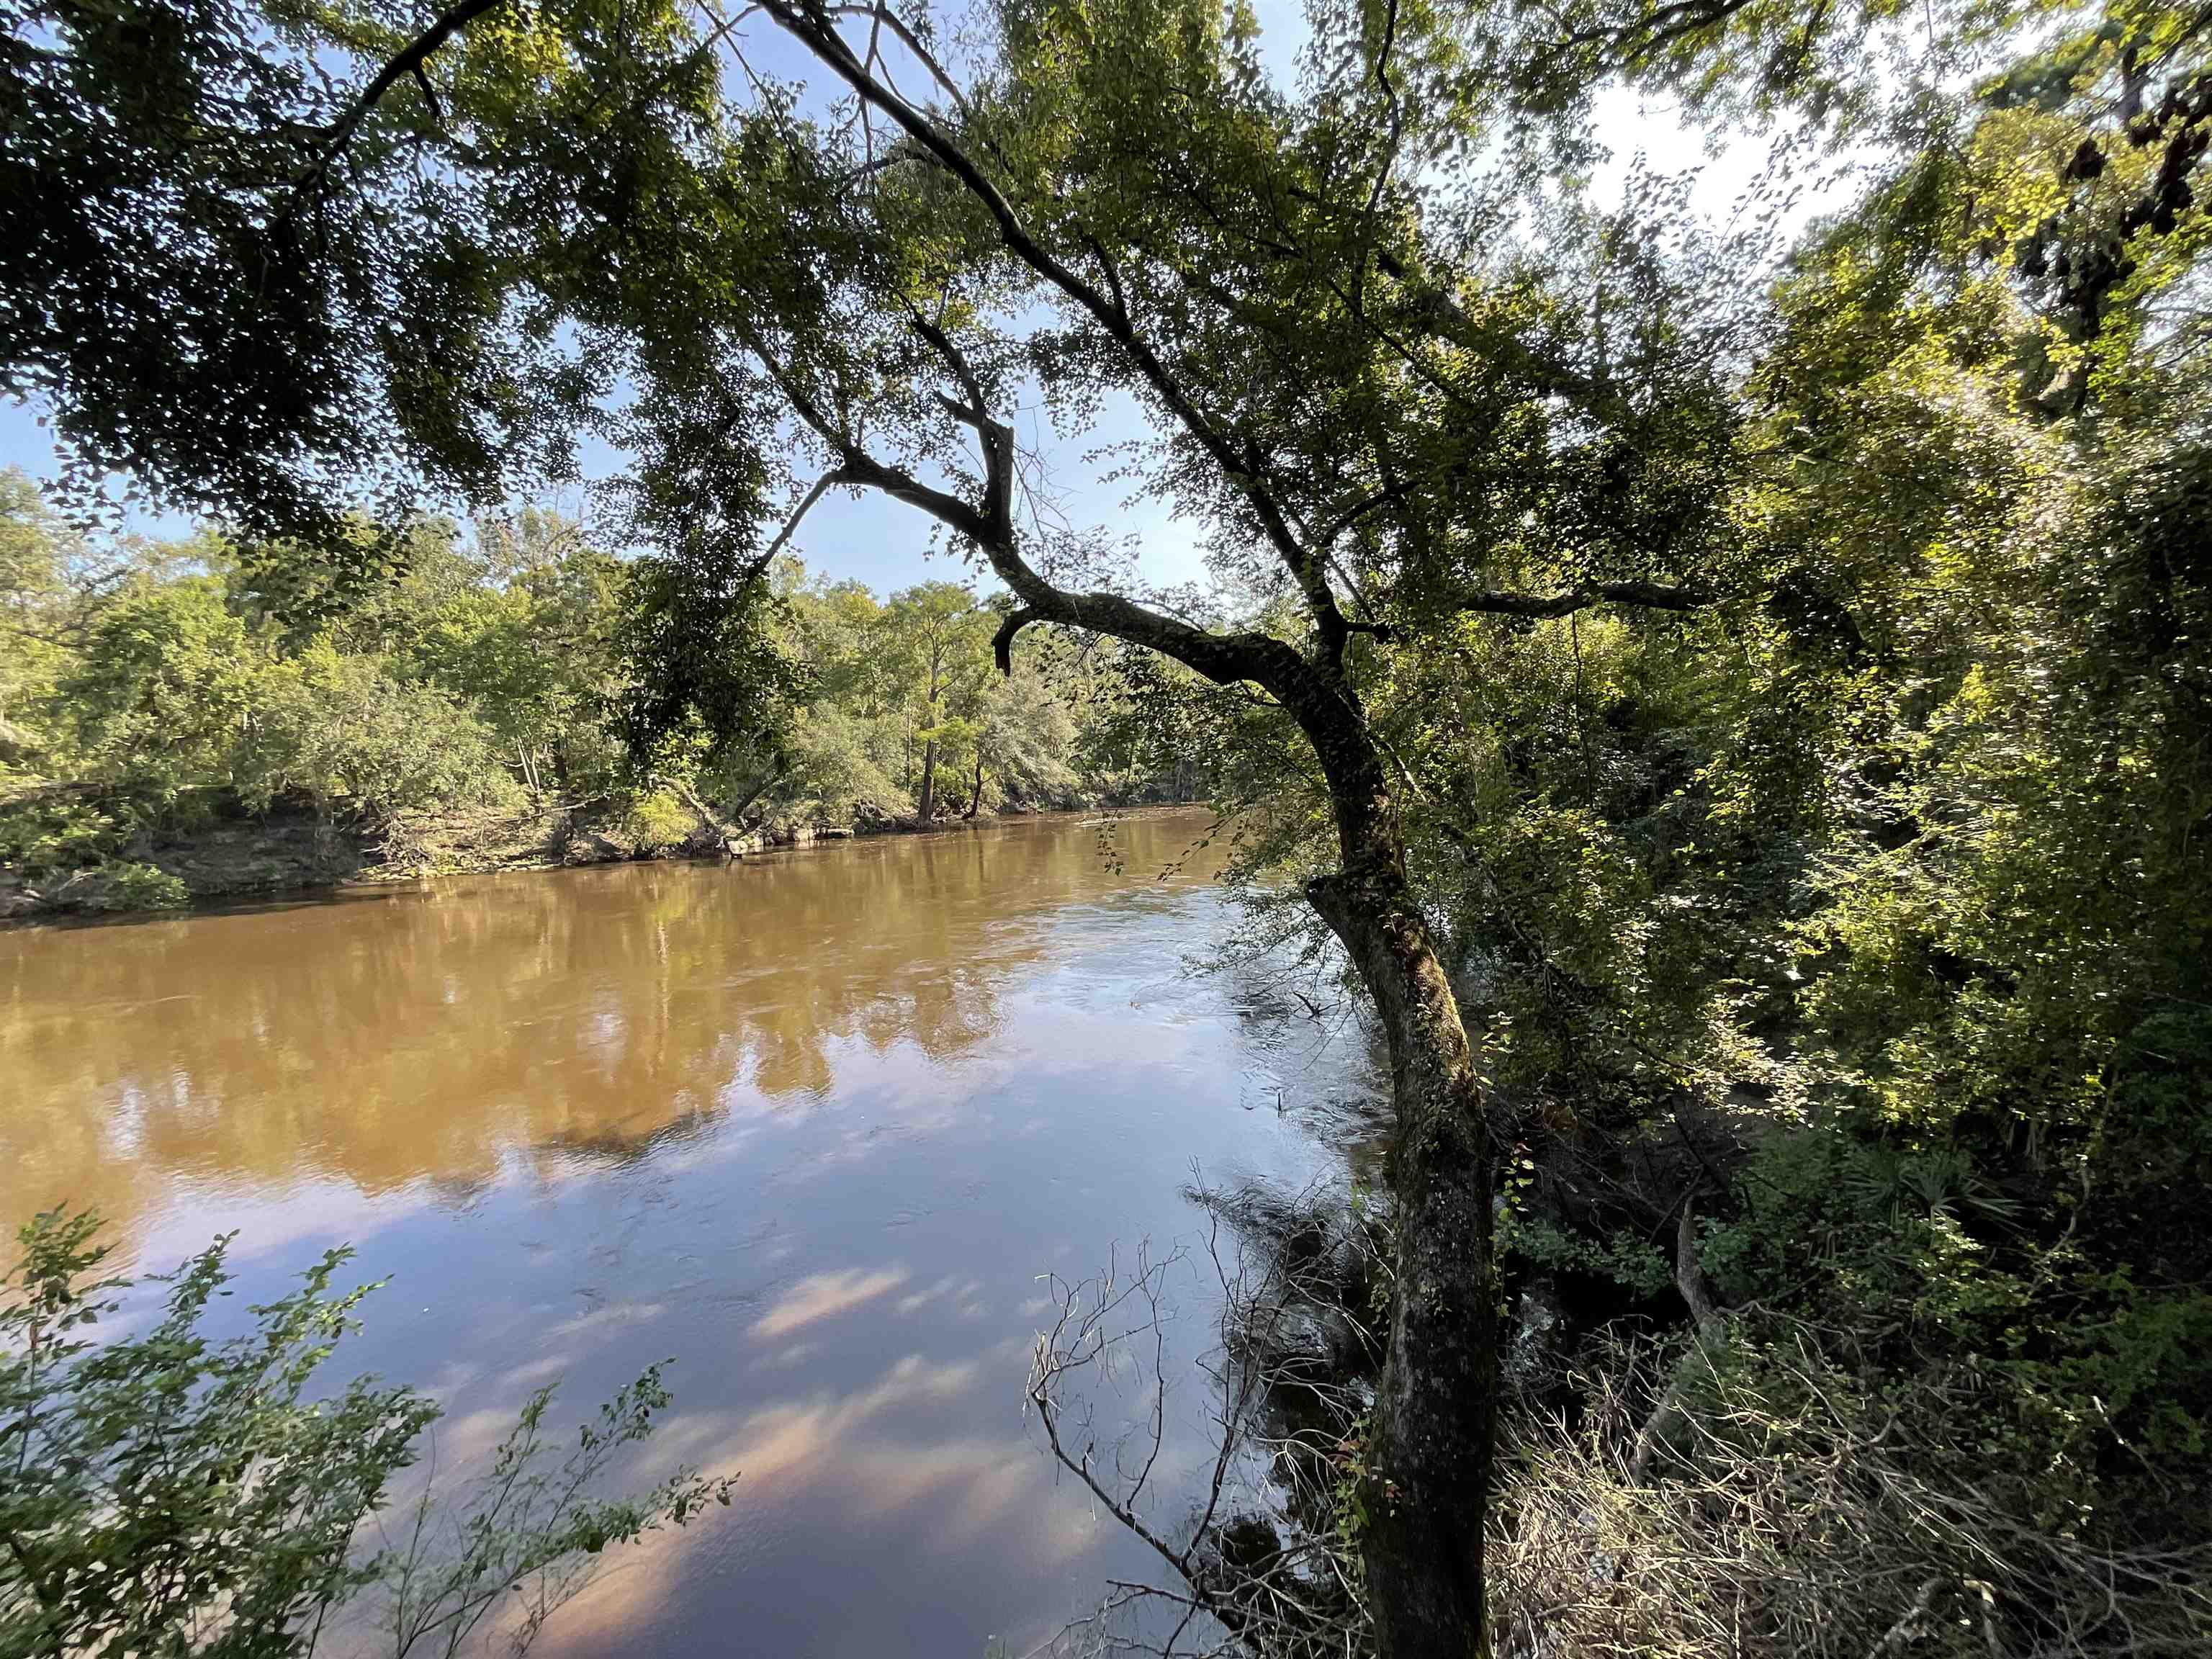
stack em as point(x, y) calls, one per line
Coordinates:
point(816, 1127)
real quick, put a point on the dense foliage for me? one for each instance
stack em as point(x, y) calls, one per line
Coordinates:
point(1838, 949)
point(485, 692)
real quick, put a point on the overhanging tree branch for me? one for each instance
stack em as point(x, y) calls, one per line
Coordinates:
point(407, 64)
point(856, 466)
point(883, 17)
point(1635, 37)
point(1538, 607)
point(1222, 658)
point(1397, 113)
point(973, 411)
point(814, 27)
point(1002, 642)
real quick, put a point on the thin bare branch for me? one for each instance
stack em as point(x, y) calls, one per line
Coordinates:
point(823, 485)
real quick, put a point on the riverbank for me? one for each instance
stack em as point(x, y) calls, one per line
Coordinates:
point(228, 861)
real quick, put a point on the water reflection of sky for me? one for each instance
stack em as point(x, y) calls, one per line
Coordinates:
point(813, 1131)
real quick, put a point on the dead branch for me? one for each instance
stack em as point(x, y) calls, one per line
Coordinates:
point(1237, 1583)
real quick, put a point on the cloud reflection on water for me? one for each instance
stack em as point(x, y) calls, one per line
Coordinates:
point(811, 1130)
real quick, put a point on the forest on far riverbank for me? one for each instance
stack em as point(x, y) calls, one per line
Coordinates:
point(190, 718)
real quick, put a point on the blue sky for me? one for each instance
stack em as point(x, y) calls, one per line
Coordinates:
point(882, 544)
point(865, 536)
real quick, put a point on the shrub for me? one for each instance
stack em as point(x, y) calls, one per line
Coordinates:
point(342, 733)
point(173, 1493)
point(656, 822)
point(125, 886)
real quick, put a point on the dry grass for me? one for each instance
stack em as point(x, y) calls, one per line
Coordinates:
point(1752, 1500)
point(1780, 1519)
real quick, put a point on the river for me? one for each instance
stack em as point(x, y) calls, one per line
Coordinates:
point(817, 1127)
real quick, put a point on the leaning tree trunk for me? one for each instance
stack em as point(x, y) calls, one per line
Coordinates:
point(722, 828)
point(1426, 1489)
point(928, 781)
point(1428, 1455)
